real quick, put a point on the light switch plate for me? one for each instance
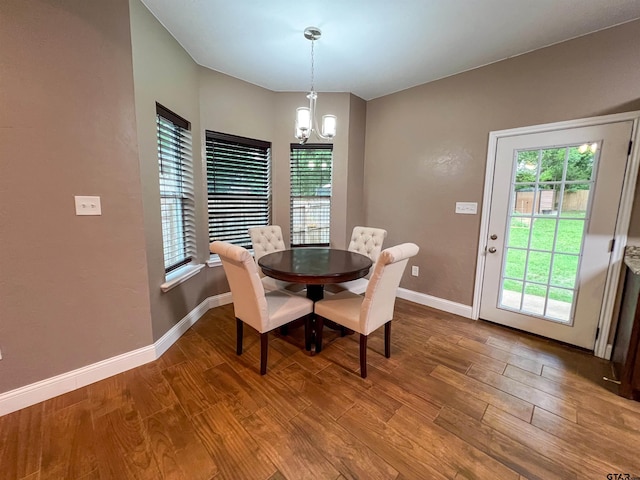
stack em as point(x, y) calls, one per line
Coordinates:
point(467, 208)
point(88, 206)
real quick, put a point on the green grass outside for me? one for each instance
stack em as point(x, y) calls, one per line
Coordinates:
point(565, 258)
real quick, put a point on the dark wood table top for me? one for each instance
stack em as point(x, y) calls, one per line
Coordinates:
point(315, 265)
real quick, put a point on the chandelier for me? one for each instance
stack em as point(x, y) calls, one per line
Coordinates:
point(306, 122)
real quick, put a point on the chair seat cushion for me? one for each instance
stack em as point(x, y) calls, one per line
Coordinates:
point(284, 307)
point(357, 286)
point(342, 308)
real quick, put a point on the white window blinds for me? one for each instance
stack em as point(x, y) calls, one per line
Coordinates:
point(238, 186)
point(177, 200)
point(311, 167)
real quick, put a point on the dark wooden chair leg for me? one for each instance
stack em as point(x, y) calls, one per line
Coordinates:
point(343, 331)
point(264, 345)
point(308, 331)
point(387, 339)
point(284, 330)
point(239, 325)
point(363, 356)
point(319, 327)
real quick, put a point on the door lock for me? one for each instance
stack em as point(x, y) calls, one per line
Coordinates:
point(492, 249)
point(494, 237)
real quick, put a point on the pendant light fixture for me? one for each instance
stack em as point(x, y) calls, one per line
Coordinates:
point(306, 116)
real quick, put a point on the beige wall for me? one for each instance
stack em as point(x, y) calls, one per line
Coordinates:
point(426, 147)
point(232, 106)
point(355, 172)
point(73, 289)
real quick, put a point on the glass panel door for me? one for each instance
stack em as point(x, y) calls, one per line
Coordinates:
point(548, 215)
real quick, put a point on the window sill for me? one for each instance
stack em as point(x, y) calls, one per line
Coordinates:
point(180, 275)
point(214, 261)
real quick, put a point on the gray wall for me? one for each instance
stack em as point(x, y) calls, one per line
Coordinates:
point(426, 147)
point(73, 289)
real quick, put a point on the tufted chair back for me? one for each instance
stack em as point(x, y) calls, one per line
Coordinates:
point(367, 241)
point(266, 239)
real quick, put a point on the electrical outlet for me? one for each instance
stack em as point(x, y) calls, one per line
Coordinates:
point(415, 270)
point(88, 206)
point(467, 208)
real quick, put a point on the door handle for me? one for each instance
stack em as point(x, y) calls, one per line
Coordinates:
point(492, 249)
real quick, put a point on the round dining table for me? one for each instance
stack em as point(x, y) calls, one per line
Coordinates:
point(315, 267)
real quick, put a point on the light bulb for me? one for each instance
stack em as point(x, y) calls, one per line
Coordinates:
point(329, 126)
point(303, 119)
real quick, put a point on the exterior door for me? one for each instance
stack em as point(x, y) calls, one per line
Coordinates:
point(553, 214)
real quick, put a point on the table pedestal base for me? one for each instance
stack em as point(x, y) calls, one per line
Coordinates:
point(315, 292)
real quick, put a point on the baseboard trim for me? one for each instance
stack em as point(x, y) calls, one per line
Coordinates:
point(163, 343)
point(435, 302)
point(219, 300)
point(52, 387)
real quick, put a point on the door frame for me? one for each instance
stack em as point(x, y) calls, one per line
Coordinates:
point(602, 348)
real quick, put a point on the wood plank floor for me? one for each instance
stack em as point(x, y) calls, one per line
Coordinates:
point(457, 400)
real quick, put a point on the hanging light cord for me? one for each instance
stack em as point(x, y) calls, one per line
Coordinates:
point(312, 69)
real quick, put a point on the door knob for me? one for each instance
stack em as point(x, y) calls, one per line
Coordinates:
point(492, 249)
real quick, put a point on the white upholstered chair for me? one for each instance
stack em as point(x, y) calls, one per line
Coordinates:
point(251, 305)
point(367, 241)
point(368, 313)
point(265, 240)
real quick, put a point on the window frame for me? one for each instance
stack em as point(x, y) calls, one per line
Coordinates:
point(255, 157)
point(183, 192)
point(321, 147)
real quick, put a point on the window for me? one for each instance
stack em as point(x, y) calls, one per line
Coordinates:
point(177, 203)
point(238, 186)
point(311, 166)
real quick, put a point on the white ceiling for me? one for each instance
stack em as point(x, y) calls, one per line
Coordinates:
point(374, 47)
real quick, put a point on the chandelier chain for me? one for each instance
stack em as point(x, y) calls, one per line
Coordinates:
point(312, 69)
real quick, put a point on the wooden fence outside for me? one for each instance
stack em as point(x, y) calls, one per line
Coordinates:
point(545, 201)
